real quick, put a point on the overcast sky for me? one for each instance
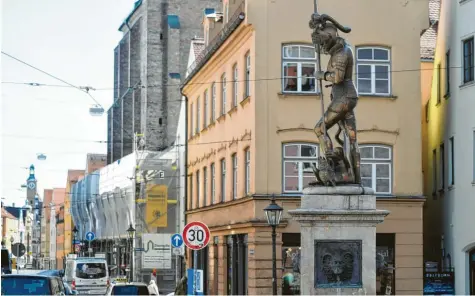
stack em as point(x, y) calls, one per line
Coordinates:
point(73, 40)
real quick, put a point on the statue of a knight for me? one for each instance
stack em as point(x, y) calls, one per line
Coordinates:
point(346, 168)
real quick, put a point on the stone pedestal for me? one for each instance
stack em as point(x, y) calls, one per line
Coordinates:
point(338, 240)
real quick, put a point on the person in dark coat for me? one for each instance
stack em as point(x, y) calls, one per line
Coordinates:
point(182, 286)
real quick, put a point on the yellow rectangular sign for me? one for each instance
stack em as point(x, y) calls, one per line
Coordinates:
point(156, 207)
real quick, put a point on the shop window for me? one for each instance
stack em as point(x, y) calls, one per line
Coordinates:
point(203, 259)
point(290, 264)
point(237, 264)
point(385, 263)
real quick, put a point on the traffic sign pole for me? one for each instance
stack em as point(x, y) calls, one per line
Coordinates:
point(196, 237)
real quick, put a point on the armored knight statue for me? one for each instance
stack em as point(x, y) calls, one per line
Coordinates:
point(336, 166)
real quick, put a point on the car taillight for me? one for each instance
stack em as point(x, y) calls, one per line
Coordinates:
point(73, 285)
point(108, 283)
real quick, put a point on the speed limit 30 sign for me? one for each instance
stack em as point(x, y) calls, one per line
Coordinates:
point(196, 235)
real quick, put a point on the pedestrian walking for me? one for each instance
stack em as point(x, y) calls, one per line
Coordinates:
point(153, 288)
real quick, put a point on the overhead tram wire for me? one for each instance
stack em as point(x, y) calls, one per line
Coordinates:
point(209, 82)
point(53, 76)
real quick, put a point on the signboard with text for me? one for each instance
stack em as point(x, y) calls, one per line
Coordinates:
point(439, 283)
point(157, 251)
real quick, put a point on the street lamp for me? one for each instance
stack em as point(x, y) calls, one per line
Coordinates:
point(75, 235)
point(131, 233)
point(274, 214)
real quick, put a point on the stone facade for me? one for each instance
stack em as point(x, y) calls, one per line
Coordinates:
point(149, 64)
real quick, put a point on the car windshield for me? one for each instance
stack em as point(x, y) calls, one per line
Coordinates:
point(25, 286)
point(91, 270)
point(130, 290)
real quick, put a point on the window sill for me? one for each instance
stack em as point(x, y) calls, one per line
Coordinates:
point(245, 101)
point(473, 183)
point(447, 96)
point(221, 117)
point(467, 84)
point(285, 95)
point(204, 129)
point(213, 123)
point(462, 2)
point(233, 110)
point(369, 96)
point(451, 187)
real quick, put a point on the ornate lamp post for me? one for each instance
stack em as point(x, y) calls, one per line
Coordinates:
point(131, 233)
point(274, 214)
point(75, 236)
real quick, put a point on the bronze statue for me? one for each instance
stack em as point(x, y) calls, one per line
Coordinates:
point(336, 166)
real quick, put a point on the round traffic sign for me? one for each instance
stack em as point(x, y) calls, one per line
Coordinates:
point(196, 235)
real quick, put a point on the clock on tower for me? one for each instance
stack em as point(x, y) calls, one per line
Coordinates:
point(31, 185)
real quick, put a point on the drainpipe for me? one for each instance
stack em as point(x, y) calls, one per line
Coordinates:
point(186, 158)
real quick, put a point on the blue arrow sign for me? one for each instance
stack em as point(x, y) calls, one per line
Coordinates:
point(177, 240)
point(90, 236)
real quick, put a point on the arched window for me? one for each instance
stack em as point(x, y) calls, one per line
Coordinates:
point(373, 71)
point(376, 168)
point(297, 165)
point(298, 68)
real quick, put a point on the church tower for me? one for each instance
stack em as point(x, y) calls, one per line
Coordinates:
point(31, 186)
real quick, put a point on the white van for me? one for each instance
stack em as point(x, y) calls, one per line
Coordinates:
point(87, 275)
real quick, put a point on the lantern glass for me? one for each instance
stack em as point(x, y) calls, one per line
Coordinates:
point(131, 232)
point(273, 213)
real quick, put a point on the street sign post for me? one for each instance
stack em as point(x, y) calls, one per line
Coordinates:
point(90, 236)
point(196, 237)
point(177, 240)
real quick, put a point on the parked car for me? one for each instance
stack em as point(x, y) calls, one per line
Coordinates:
point(133, 288)
point(27, 284)
point(59, 273)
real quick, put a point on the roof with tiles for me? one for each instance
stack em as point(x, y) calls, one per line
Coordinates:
point(429, 36)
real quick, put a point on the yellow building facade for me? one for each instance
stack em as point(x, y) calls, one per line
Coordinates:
point(252, 106)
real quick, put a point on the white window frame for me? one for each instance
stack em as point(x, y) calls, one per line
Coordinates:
point(300, 160)
point(379, 161)
point(213, 183)
point(373, 63)
point(198, 187)
point(213, 102)
point(198, 111)
point(299, 61)
point(247, 78)
point(205, 110)
point(205, 185)
point(223, 94)
point(235, 175)
point(223, 179)
point(247, 174)
point(235, 85)
point(192, 127)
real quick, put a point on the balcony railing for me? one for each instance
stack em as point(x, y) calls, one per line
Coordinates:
point(234, 21)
